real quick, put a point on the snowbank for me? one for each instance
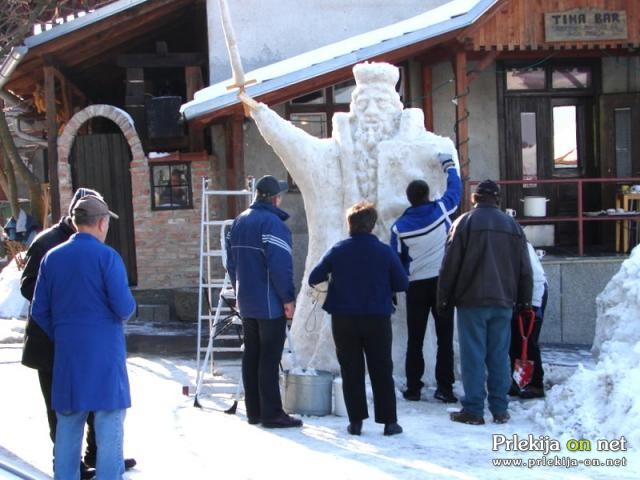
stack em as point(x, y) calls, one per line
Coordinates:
point(601, 402)
point(12, 303)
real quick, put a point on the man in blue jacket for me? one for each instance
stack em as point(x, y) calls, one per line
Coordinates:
point(419, 236)
point(260, 267)
point(81, 301)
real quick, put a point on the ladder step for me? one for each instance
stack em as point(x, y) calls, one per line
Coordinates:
point(217, 285)
point(227, 349)
point(227, 192)
point(212, 253)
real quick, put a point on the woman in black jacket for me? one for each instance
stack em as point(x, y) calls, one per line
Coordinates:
point(364, 273)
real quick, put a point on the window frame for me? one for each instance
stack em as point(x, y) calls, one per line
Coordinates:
point(154, 188)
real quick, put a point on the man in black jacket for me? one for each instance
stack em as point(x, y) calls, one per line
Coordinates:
point(38, 348)
point(484, 274)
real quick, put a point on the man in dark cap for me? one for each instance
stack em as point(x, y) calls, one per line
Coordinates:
point(485, 273)
point(38, 348)
point(81, 301)
point(260, 267)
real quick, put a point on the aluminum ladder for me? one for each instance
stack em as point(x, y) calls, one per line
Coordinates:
point(214, 315)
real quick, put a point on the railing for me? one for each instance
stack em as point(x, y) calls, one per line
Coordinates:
point(580, 218)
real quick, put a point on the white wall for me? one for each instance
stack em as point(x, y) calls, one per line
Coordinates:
point(271, 30)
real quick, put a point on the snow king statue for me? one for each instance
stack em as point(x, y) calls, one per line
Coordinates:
point(376, 149)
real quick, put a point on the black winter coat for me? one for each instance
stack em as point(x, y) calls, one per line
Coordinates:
point(486, 263)
point(38, 348)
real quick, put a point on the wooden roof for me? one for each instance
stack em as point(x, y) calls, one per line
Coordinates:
point(519, 25)
point(87, 55)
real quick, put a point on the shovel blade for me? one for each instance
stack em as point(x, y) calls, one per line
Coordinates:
point(522, 372)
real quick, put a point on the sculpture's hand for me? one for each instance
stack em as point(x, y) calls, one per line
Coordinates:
point(247, 100)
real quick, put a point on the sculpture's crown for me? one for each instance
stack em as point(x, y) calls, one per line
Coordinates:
point(376, 73)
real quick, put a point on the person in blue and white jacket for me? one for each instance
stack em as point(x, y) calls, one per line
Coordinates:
point(260, 266)
point(419, 237)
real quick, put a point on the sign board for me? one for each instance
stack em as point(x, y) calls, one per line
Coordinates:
point(585, 24)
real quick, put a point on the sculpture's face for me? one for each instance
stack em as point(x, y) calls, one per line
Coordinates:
point(376, 111)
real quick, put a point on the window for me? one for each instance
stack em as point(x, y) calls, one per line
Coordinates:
point(565, 137)
point(571, 77)
point(171, 186)
point(525, 79)
point(623, 141)
point(529, 147)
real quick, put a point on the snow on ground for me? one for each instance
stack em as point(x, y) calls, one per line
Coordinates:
point(590, 401)
point(12, 304)
point(171, 439)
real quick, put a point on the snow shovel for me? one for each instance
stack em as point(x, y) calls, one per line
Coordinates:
point(523, 367)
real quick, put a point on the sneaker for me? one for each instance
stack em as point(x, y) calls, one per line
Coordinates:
point(445, 395)
point(253, 420)
point(282, 421)
point(411, 395)
point(531, 392)
point(355, 428)
point(392, 429)
point(466, 417)
point(501, 417)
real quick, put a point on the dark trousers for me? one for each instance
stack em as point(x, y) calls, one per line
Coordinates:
point(358, 337)
point(263, 345)
point(533, 348)
point(46, 380)
point(421, 299)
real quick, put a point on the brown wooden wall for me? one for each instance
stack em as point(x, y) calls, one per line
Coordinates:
point(519, 25)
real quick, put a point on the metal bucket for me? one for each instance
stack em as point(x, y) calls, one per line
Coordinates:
point(307, 394)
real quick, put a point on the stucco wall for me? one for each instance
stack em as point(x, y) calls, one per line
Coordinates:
point(265, 28)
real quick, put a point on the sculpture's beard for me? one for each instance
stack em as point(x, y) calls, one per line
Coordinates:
point(370, 134)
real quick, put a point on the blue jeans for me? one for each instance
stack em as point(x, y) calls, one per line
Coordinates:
point(485, 335)
point(109, 427)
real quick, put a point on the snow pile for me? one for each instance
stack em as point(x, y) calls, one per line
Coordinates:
point(601, 402)
point(12, 303)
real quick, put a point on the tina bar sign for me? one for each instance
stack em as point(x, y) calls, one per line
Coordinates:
point(585, 24)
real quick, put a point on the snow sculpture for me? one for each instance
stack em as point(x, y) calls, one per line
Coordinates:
point(375, 150)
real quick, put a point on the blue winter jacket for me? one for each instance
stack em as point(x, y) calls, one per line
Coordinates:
point(364, 274)
point(420, 234)
point(81, 300)
point(259, 261)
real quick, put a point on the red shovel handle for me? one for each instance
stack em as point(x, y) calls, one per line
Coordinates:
point(531, 317)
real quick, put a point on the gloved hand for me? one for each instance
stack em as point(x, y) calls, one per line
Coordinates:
point(526, 310)
point(446, 161)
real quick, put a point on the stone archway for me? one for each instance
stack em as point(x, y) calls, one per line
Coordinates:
point(65, 142)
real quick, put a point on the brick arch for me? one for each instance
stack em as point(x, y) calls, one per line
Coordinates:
point(65, 142)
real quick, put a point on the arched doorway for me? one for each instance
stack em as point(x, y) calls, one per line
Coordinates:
point(102, 161)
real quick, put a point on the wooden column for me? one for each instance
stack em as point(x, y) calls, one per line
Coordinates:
point(193, 80)
point(52, 140)
point(462, 126)
point(235, 160)
point(427, 96)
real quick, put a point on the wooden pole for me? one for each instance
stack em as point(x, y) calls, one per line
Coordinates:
point(427, 97)
point(235, 161)
point(462, 126)
point(52, 139)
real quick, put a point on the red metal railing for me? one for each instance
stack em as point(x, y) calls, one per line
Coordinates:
point(580, 218)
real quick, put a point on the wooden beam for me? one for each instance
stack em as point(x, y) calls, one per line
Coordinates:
point(153, 60)
point(65, 81)
point(193, 81)
point(427, 96)
point(487, 60)
point(462, 125)
point(52, 139)
point(235, 160)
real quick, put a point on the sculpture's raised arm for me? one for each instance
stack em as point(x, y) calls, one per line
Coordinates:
point(303, 155)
